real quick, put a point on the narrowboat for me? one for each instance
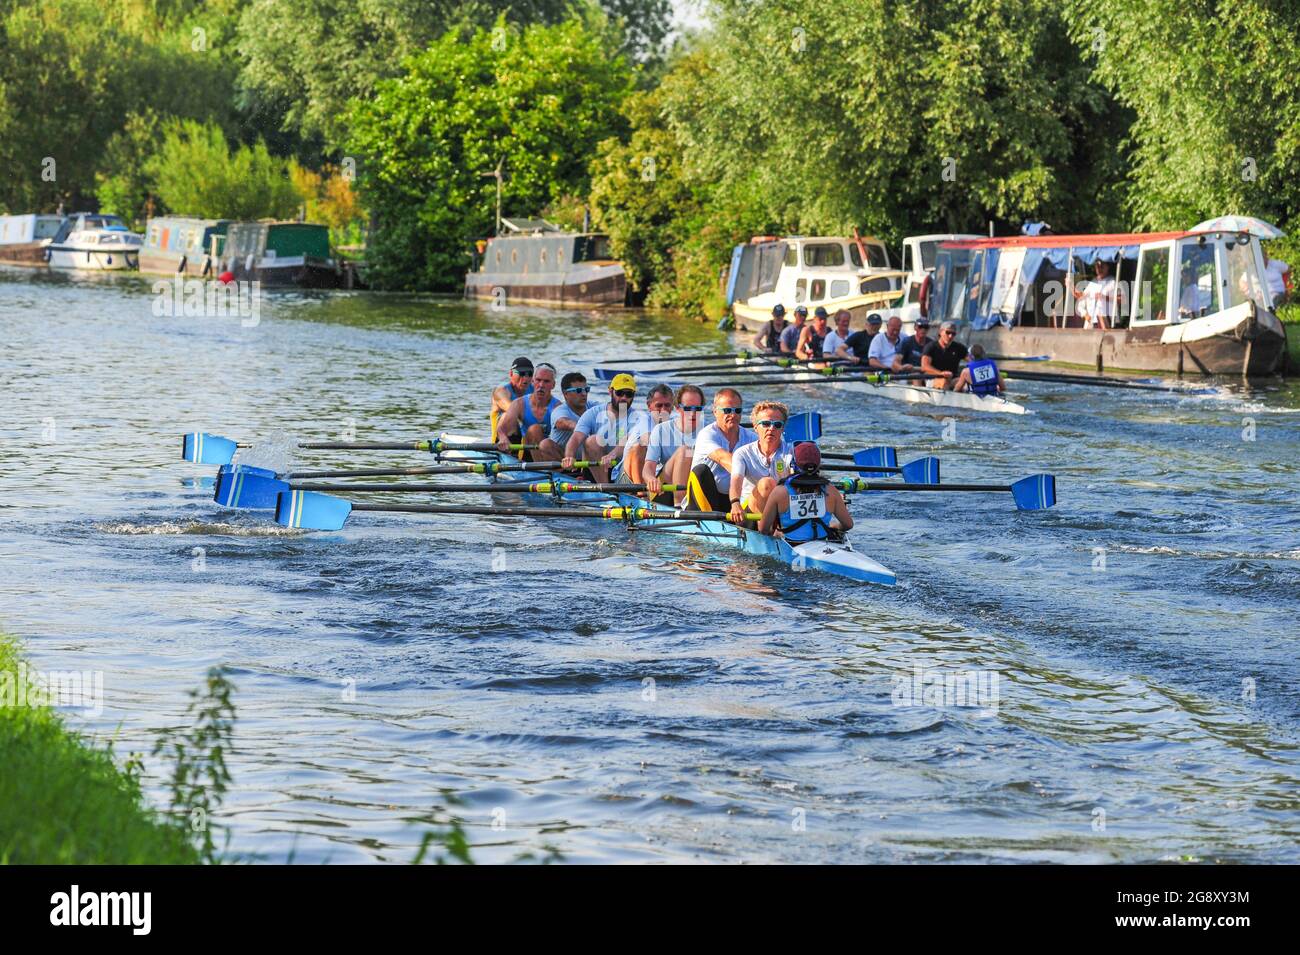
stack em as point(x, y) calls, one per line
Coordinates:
point(830, 271)
point(538, 263)
point(96, 241)
point(178, 244)
point(1188, 302)
point(281, 254)
point(24, 239)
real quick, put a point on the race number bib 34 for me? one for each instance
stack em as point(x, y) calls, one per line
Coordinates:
point(806, 506)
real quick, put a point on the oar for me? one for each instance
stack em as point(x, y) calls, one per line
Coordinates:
point(1033, 493)
point(922, 471)
point(508, 487)
point(782, 362)
point(879, 460)
point(871, 378)
point(1100, 382)
point(256, 488)
point(204, 448)
point(1019, 357)
point(482, 467)
point(667, 358)
point(323, 512)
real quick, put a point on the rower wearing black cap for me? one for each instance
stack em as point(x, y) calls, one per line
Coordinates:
point(519, 383)
point(810, 342)
point(800, 508)
point(768, 338)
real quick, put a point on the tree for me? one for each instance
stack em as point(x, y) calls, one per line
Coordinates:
point(537, 100)
point(197, 174)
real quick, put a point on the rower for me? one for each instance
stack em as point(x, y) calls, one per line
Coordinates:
point(910, 348)
point(942, 358)
point(758, 467)
point(659, 408)
point(858, 345)
point(836, 344)
point(801, 506)
point(790, 334)
point(513, 388)
point(530, 415)
point(711, 461)
point(574, 388)
point(884, 347)
point(672, 445)
point(814, 335)
point(768, 338)
point(980, 376)
point(601, 433)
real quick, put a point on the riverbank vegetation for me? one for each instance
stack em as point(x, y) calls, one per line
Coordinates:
point(64, 799)
point(775, 116)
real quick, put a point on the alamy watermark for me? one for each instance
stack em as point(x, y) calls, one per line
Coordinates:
point(197, 298)
point(72, 689)
point(947, 688)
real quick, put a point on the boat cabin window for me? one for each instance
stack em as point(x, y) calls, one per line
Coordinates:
point(957, 297)
point(877, 257)
point(801, 290)
point(827, 255)
point(791, 256)
point(543, 256)
point(839, 288)
point(514, 256)
point(873, 285)
point(927, 254)
point(1153, 286)
point(1243, 281)
point(1197, 294)
point(907, 261)
point(818, 290)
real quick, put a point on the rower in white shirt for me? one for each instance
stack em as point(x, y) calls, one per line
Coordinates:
point(884, 347)
point(836, 343)
point(759, 467)
point(714, 446)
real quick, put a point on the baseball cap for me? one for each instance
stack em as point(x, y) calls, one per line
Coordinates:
point(873, 319)
point(820, 312)
point(521, 366)
point(778, 309)
point(801, 310)
point(623, 382)
point(807, 457)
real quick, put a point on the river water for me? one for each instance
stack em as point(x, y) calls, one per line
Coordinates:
point(571, 688)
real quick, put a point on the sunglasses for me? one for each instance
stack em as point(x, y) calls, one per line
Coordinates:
point(662, 406)
point(774, 425)
point(691, 407)
point(624, 393)
point(578, 391)
point(731, 410)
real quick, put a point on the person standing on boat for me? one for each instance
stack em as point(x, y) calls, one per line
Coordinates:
point(768, 338)
point(706, 488)
point(980, 376)
point(858, 345)
point(942, 358)
point(759, 466)
point(813, 337)
point(1278, 276)
point(790, 335)
point(574, 388)
point(912, 347)
point(659, 408)
point(884, 347)
point(800, 508)
point(836, 344)
point(519, 383)
point(601, 433)
point(672, 444)
point(530, 416)
point(1098, 301)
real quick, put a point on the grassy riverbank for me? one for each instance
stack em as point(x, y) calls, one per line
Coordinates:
point(1290, 315)
point(64, 799)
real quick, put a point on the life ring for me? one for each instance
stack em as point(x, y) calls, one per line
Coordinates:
point(923, 299)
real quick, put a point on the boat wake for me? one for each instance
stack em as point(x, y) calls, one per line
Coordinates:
point(205, 528)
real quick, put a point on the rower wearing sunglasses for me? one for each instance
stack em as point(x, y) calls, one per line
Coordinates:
point(573, 392)
point(800, 508)
point(519, 383)
point(706, 489)
point(601, 433)
point(530, 416)
point(760, 466)
point(672, 444)
point(659, 408)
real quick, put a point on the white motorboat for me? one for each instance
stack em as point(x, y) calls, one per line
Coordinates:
point(93, 241)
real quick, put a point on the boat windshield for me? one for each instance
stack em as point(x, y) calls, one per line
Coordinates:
point(825, 255)
point(1244, 284)
point(877, 258)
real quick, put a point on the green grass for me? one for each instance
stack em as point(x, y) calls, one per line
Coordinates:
point(65, 800)
point(1290, 315)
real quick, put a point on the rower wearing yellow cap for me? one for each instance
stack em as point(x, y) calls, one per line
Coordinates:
point(602, 431)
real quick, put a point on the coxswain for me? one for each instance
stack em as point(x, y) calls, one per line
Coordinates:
point(980, 376)
point(513, 388)
point(530, 416)
point(800, 508)
point(711, 463)
point(672, 445)
point(601, 433)
point(759, 466)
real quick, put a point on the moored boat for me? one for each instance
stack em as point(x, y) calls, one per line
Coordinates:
point(181, 244)
point(1185, 302)
point(281, 254)
point(538, 263)
point(95, 241)
point(25, 239)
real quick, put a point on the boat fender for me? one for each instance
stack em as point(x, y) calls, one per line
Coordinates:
point(184, 261)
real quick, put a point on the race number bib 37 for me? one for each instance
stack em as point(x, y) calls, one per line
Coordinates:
point(984, 374)
point(806, 506)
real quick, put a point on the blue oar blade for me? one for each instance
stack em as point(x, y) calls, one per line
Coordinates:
point(237, 488)
point(207, 448)
point(805, 426)
point(1034, 493)
point(608, 374)
point(921, 471)
point(245, 469)
point(312, 510)
point(882, 457)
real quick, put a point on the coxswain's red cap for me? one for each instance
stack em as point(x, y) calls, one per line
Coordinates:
point(807, 457)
